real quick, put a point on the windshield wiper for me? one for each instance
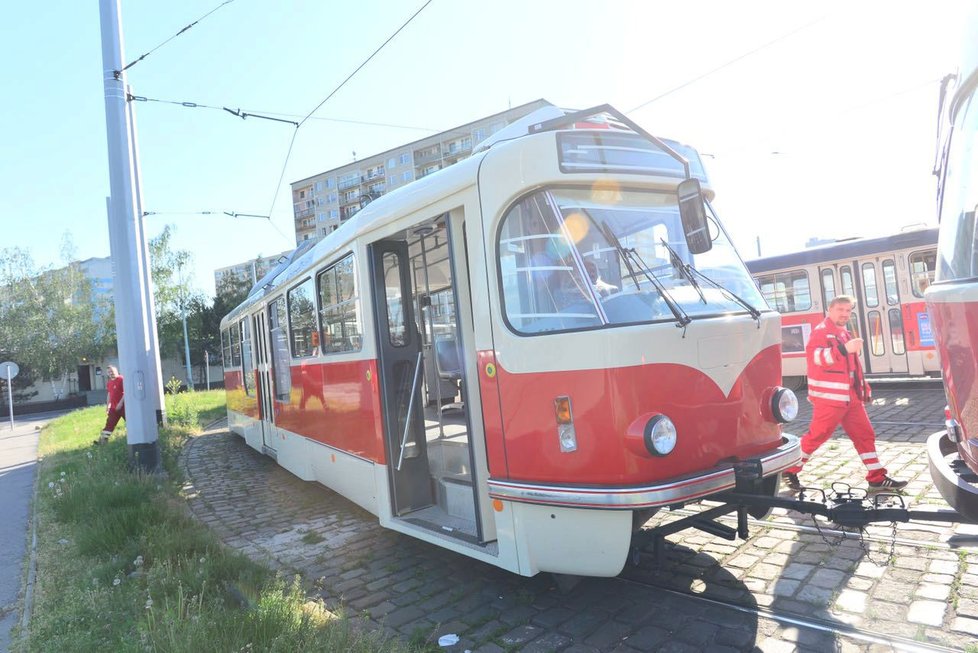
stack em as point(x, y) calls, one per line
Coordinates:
point(683, 268)
point(630, 257)
point(687, 270)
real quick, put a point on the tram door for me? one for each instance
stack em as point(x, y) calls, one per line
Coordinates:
point(263, 367)
point(401, 375)
point(877, 318)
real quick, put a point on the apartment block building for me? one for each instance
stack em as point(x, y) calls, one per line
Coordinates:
point(321, 203)
point(249, 271)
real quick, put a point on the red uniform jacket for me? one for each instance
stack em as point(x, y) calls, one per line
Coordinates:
point(114, 388)
point(832, 371)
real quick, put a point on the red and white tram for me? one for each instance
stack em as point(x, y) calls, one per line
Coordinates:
point(887, 276)
point(523, 355)
point(953, 297)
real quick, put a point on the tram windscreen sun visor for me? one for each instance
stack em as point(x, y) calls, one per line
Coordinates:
point(692, 211)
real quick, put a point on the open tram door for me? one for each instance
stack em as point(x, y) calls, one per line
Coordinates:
point(422, 309)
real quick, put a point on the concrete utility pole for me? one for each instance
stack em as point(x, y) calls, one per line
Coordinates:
point(139, 358)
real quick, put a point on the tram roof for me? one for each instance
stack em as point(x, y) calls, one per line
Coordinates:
point(407, 199)
point(846, 249)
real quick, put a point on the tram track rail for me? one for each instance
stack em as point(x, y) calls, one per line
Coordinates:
point(837, 628)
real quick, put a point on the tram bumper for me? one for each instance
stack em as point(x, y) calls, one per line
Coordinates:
point(951, 477)
point(722, 478)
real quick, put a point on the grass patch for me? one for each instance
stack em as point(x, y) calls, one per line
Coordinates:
point(122, 567)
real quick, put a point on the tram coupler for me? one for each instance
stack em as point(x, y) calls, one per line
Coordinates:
point(846, 506)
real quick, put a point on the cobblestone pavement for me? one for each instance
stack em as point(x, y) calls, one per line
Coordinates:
point(411, 589)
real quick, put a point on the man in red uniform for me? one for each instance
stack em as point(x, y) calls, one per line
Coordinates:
point(838, 389)
point(115, 406)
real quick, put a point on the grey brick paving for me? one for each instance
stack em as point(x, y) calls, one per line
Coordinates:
point(405, 587)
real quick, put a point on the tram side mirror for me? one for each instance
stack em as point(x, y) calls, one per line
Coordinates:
point(692, 211)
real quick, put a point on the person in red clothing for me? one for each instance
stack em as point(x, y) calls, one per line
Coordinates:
point(115, 406)
point(838, 389)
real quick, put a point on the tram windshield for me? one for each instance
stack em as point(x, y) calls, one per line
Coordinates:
point(957, 248)
point(590, 258)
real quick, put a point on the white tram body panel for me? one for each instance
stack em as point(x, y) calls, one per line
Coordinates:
point(512, 358)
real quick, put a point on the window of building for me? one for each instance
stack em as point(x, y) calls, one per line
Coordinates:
point(339, 310)
point(319, 186)
point(334, 213)
point(922, 266)
point(302, 318)
point(405, 159)
point(392, 181)
point(408, 175)
point(392, 162)
point(478, 135)
point(787, 292)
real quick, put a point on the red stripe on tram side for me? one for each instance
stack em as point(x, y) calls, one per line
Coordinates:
point(237, 399)
point(606, 403)
point(337, 404)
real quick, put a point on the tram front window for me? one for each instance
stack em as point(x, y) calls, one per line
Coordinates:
point(579, 259)
point(957, 248)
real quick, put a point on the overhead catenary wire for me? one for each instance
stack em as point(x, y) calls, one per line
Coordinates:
point(726, 64)
point(256, 112)
point(143, 56)
point(295, 133)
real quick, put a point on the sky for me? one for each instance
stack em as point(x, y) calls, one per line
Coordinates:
point(814, 119)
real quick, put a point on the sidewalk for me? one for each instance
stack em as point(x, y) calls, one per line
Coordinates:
point(18, 468)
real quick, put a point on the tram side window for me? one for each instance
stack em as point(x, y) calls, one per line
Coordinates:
point(870, 294)
point(828, 287)
point(338, 308)
point(788, 292)
point(235, 346)
point(225, 349)
point(248, 362)
point(397, 332)
point(922, 267)
point(890, 283)
point(278, 319)
point(302, 320)
point(845, 272)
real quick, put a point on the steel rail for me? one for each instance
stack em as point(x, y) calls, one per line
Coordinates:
point(896, 643)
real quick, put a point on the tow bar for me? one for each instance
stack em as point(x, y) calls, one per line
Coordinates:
point(844, 505)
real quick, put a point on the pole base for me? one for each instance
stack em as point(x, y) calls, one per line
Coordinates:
point(145, 457)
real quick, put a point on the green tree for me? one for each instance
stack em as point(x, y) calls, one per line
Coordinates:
point(173, 293)
point(49, 318)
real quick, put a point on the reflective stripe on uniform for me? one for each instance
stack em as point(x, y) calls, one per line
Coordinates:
point(829, 395)
point(828, 385)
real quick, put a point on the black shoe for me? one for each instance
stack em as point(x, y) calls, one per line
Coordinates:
point(887, 485)
point(791, 481)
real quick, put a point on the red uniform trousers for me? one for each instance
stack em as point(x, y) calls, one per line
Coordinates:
point(855, 422)
point(113, 418)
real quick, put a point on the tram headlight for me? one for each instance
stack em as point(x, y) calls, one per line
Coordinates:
point(784, 405)
point(660, 435)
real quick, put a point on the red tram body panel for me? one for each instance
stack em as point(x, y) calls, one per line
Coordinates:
point(952, 300)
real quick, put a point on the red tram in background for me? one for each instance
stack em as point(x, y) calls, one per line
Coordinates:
point(887, 276)
point(524, 355)
point(953, 297)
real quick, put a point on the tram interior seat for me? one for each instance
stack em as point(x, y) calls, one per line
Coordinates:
point(449, 359)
